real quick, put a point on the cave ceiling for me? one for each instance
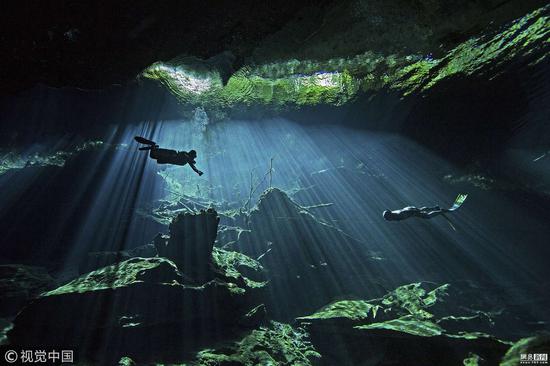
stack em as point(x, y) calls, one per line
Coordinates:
point(275, 53)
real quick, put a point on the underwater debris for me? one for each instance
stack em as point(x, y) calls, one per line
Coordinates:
point(473, 360)
point(477, 180)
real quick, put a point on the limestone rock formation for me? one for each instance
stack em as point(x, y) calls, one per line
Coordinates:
point(300, 253)
point(190, 243)
point(279, 344)
point(399, 328)
point(524, 347)
point(152, 309)
point(143, 307)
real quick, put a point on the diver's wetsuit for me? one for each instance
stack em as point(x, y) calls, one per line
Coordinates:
point(168, 156)
point(411, 211)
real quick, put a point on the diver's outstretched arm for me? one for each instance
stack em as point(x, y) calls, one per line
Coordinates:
point(195, 169)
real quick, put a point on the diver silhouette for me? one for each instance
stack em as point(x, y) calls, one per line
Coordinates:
point(423, 212)
point(167, 156)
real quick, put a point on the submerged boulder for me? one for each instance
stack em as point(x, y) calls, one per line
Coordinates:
point(525, 348)
point(19, 284)
point(399, 328)
point(152, 309)
point(144, 308)
point(190, 243)
point(278, 345)
point(302, 254)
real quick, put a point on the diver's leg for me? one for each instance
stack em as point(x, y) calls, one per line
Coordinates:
point(429, 214)
point(435, 208)
point(434, 213)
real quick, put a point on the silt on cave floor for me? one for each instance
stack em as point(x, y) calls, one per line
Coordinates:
point(306, 131)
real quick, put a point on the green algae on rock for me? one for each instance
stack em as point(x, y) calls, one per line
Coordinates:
point(237, 266)
point(355, 310)
point(154, 297)
point(535, 344)
point(336, 81)
point(12, 160)
point(407, 324)
point(123, 274)
point(403, 321)
point(277, 345)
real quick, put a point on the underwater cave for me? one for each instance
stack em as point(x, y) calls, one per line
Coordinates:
point(333, 183)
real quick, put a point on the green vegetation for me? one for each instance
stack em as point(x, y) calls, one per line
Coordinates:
point(123, 274)
point(472, 360)
point(407, 324)
point(336, 81)
point(12, 160)
point(413, 299)
point(277, 345)
point(349, 309)
point(230, 263)
point(537, 344)
point(408, 300)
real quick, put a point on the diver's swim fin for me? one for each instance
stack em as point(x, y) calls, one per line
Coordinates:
point(142, 140)
point(458, 201)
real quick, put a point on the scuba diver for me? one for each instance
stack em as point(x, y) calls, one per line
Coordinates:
point(423, 212)
point(167, 156)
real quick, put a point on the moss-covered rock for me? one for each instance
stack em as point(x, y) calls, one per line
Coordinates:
point(153, 271)
point(398, 328)
point(407, 324)
point(336, 81)
point(192, 237)
point(144, 308)
point(239, 267)
point(13, 160)
point(525, 347)
point(277, 345)
point(356, 310)
point(408, 300)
